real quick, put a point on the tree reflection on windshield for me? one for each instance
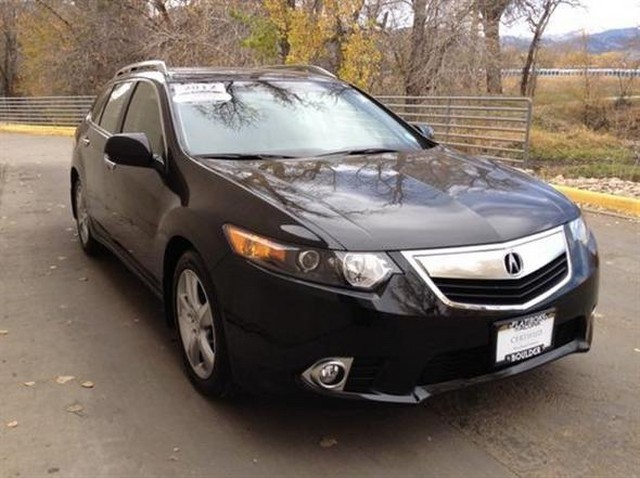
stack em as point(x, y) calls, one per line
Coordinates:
point(294, 118)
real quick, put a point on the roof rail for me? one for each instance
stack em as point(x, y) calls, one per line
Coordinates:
point(304, 68)
point(153, 65)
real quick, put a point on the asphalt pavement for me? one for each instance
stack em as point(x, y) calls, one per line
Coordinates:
point(64, 315)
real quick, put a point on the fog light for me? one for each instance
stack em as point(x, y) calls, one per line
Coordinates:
point(329, 373)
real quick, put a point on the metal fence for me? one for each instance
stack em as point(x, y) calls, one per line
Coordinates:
point(495, 127)
point(45, 110)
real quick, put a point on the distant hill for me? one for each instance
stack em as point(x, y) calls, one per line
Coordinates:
point(614, 40)
point(622, 39)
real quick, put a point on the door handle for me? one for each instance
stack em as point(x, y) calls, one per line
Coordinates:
point(86, 141)
point(110, 164)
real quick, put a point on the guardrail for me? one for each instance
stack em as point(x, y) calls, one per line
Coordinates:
point(610, 72)
point(495, 127)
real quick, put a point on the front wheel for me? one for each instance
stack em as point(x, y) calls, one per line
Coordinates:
point(88, 243)
point(199, 327)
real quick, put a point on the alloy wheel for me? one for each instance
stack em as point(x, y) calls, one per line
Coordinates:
point(82, 214)
point(195, 320)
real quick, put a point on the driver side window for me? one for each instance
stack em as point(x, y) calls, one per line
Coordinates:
point(143, 116)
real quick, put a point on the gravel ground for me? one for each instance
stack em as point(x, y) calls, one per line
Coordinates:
point(616, 186)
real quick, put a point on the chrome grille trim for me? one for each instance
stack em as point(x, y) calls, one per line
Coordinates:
point(486, 262)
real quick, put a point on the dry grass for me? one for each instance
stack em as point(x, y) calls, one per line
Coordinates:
point(577, 145)
point(581, 128)
point(579, 151)
point(562, 90)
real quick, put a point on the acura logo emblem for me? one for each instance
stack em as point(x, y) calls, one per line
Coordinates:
point(513, 263)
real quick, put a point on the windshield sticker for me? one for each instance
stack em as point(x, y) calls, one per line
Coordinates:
point(200, 93)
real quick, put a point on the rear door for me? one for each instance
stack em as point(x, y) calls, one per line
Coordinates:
point(92, 169)
point(93, 142)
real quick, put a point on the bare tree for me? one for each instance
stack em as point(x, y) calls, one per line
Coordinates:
point(491, 12)
point(537, 14)
point(440, 28)
point(9, 16)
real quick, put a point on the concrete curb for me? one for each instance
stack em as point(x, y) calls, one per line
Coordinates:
point(621, 204)
point(38, 130)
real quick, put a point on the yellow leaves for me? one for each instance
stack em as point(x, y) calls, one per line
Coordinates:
point(278, 12)
point(328, 31)
point(38, 35)
point(303, 27)
point(361, 59)
point(307, 36)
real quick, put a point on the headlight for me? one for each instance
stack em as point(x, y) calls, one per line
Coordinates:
point(579, 231)
point(361, 270)
point(365, 270)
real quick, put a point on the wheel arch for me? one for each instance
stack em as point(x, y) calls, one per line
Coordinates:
point(74, 177)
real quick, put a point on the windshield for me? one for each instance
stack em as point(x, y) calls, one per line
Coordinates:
point(286, 118)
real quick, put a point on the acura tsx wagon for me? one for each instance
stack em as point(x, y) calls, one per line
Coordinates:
point(306, 239)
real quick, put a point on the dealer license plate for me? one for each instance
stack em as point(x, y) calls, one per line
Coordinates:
point(523, 338)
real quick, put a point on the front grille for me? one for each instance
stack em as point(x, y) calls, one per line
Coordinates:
point(362, 374)
point(468, 363)
point(505, 292)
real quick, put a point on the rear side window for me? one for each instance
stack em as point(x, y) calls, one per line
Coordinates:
point(110, 119)
point(143, 116)
point(98, 105)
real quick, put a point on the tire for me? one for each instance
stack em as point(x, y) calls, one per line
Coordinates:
point(89, 245)
point(199, 325)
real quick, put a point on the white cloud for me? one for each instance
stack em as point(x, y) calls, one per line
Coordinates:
point(595, 16)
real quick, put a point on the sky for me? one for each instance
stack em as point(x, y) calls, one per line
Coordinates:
point(595, 16)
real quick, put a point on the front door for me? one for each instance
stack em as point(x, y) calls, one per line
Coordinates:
point(140, 194)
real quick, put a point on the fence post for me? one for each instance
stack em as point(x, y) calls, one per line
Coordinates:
point(527, 135)
point(448, 118)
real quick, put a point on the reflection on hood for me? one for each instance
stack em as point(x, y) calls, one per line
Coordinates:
point(430, 199)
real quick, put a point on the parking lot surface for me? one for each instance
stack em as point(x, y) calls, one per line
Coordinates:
point(64, 315)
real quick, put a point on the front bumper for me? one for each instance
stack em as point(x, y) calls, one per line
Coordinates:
point(406, 344)
point(422, 392)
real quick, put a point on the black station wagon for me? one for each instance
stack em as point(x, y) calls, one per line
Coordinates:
point(304, 238)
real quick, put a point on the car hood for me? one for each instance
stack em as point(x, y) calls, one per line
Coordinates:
point(400, 201)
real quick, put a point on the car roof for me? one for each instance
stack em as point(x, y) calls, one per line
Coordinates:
point(158, 70)
point(181, 74)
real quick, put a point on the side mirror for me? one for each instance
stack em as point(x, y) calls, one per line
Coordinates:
point(130, 149)
point(425, 130)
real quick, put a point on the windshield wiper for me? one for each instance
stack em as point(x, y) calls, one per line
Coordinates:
point(247, 156)
point(355, 152)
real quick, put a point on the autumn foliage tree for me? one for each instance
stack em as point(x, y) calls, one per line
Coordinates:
point(411, 47)
point(332, 33)
point(73, 47)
